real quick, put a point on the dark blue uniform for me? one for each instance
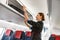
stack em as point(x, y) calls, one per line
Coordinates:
point(36, 29)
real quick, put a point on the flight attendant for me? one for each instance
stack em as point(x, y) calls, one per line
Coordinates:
point(36, 26)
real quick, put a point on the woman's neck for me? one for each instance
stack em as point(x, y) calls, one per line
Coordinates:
point(40, 20)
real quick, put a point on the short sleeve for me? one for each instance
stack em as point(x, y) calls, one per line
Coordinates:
point(31, 22)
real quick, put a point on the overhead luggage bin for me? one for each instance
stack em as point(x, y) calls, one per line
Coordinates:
point(12, 15)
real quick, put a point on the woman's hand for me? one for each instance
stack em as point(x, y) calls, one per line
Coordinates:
point(25, 16)
point(24, 8)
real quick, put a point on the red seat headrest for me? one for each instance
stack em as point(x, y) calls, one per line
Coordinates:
point(18, 34)
point(28, 34)
point(57, 37)
point(53, 35)
point(8, 31)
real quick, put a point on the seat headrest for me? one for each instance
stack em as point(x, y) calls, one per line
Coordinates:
point(28, 33)
point(8, 32)
point(18, 34)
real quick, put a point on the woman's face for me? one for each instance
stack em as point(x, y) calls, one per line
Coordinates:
point(38, 17)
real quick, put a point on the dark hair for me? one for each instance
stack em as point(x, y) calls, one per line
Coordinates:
point(42, 14)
